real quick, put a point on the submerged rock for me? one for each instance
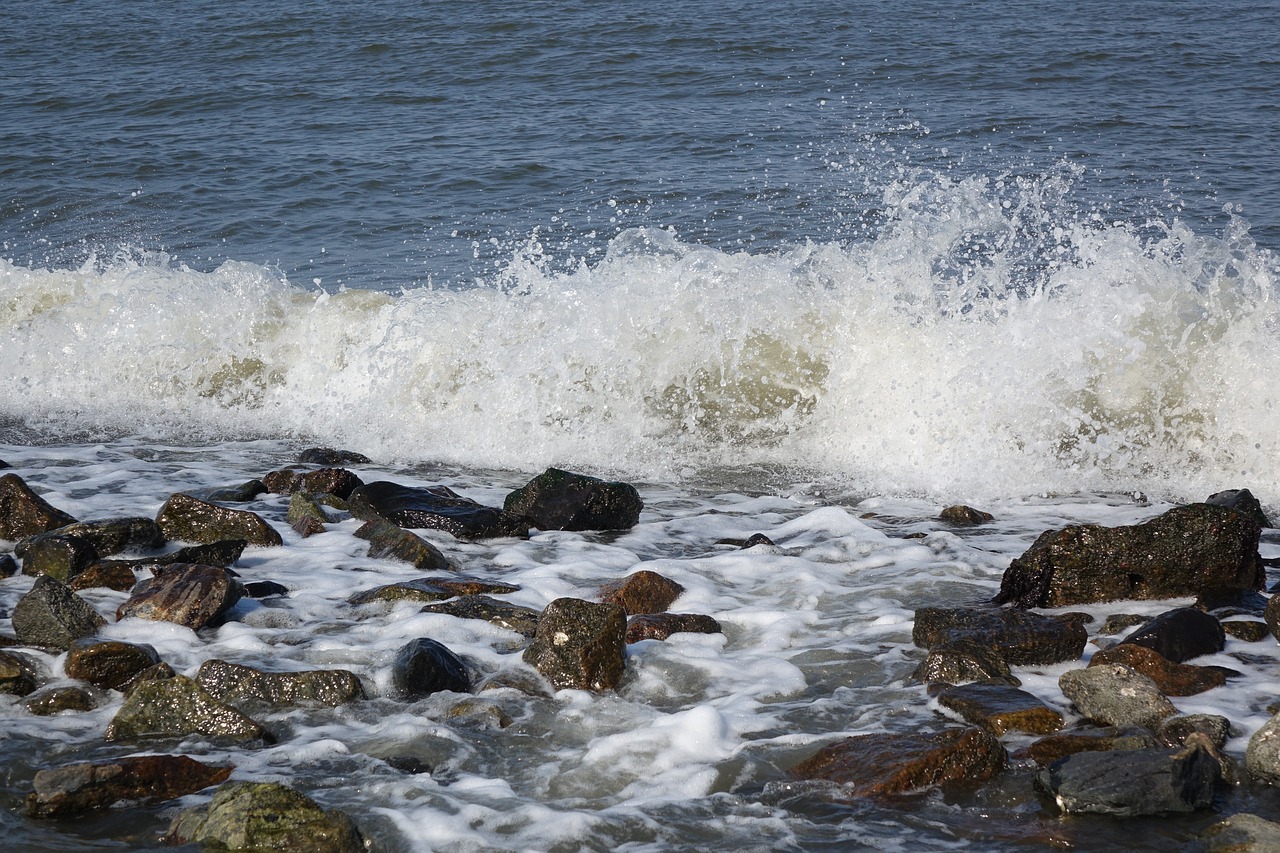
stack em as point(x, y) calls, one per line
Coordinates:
point(189, 519)
point(53, 616)
point(389, 541)
point(660, 626)
point(176, 707)
point(513, 617)
point(328, 481)
point(580, 645)
point(17, 675)
point(261, 816)
point(191, 595)
point(55, 700)
point(1116, 695)
point(642, 592)
point(1262, 755)
point(23, 513)
point(77, 789)
point(1017, 636)
point(433, 509)
point(1132, 782)
point(965, 516)
point(1183, 552)
point(1242, 833)
point(424, 666)
point(109, 664)
point(233, 683)
point(560, 500)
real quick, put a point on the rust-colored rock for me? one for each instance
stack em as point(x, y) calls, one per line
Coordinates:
point(659, 626)
point(1173, 679)
point(641, 592)
point(1000, 708)
point(106, 574)
point(190, 595)
point(76, 789)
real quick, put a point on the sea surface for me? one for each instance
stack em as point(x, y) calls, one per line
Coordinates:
point(813, 270)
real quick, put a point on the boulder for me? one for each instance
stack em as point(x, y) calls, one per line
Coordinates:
point(522, 620)
point(8, 566)
point(235, 683)
point(432, 589)
point(560, 500)
point(1047, 750)
point(176, 707)
point(1000, 708)
point(1172, 679)
point(962, 661)
point(1180, 553)
point(264, 589)
point(327, 481)
point(423, 667)
point(580, 645)
point(1242, 833)
point(55, 700)
point(642, 592)
point(109, 664)
point(192, 595)
point(108, 536)
point(53, 616)
point(1132, 782)
point(260, 816)
point(61, 557)
point(1017, 636)
point(433, 509)
point(880, 764)
point(660, 626)
point(386, 540)
point(189, 519)
point(1116, 695)
point(24, 513)
point(1181, 634)
point(76, 789)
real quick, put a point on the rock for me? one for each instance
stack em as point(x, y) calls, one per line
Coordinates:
point(1272, 615)
point(264, 589)
point(156, 672)
point(660, 626)
point(580, 645)
point(329, 456)
point(329, 481)
point(432, 589)
point(1116, 695)
point(880, 764)
point(388, 541)
point(261, 816)
point(240, 494)
point(189, 519)
point(1243, 502)
point(522, 620)
point(306, 516)
point(1262, 755)
point(1182, 552)
point(23, 513)
point(109, 664)
point(641, 592)
point(222, 553)
point(1119, 622)
point(1181, 634)
point(55, 700)
point(523, 680)
point(423, 667)
point(1246, 630)
point(479, 713)
point(1242, 833)
point(1172, 679)
point(107, 537)
point(1221, 603)
point(77, 789)
point(1049, 749)
point(17, 675)
point(235, 683)
point(105, 574)
point(560, 500)
point(1000, 708)
point(8, 567)
point(1175, 731)
point(962, 661)
point(53, 616)
point(61, 557)
point(1132, 782)
point(176, 707)
point(192, 595)
point(965, 516)
point(433, 509)
point(1018, 636)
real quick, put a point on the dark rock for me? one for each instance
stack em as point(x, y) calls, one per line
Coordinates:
point(189, 519)
point(388, 541)
point(1131, 783)
point(1262, 755)
point(329, 456)
point(433, 509)
point(1049, 749)
point(962, 661)
point(1246, 630)
point(423, 667)
point(580, 645)
point(55, 700)
point(1184, 551)
point(176, 707)
point(1242, 833)
point(560, 500)
point(23, 513)
point(1000, 708)
point(432, 589)
point(1221, 603)
point(192, 595)
point(107, 537)
point(61, 557)
point(8, 566)
point(306, 516)
point(53, 616)
point(235, 683)
point(157, 672)
point(659, 626)
point(522, 620)
point(1018, 636)
point(1175, 730)
point(264, 589)
point(307, 526)
point(1172, 679)
point(262, 816)
point(240, 494)
point(109, 664)
point(1119, 622)
point(1181, 634)
point(641, 592)
point(757, 539)
point(1243, 502)
point(77, 789)
point(331, 481)
point(478, 713)
point(17, 675)
point(408, 764)
point(965, 516)
point(1116, 695)
point(106, 574)
point(881, 764)
point(1272, 615)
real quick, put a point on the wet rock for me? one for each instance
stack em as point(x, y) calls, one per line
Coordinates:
point(8, 566)
point(1243, 502)
point(156, 672)
point(330, 456)
point(522, 620)
point(330, 481)
point(264, 589)
point(560, 500)
point(660, 626)
point(479, 713)
point(53, 616)
point(962, 661)
point(55, 700)
point(880, 764)
point(965, 516)
point(1242, 833)
point(1262, 755)
point(77, 789)
point(258, 816)
point(23, 513)
point(108, 536)
point(1272, 615)
point(1131, 783)
point(105, 574)
point(1120, 622)
point(192, 595)
point(1000, 708)
point(423, 667)
point(1047, 750)
point(1175, 731)
point(17, 675)
point(235, 683)
point(223, 553)
point(1181, 634)
point(433, 509)
point(642, 592)
point(306, 516)
point(1246, 630)
point(522, 680)
point(1231, 602)
point(189, 519)
point(757, 539)
point(389, 541)
point(580, 645)
point(432, 589)
point(1116, 695)
point(1184, 551)
point(109, 664)
point(1172, 679)
point(176, 707)
point(61, 557)
point(1018, 636)
point(408, 764)
point(240, 494)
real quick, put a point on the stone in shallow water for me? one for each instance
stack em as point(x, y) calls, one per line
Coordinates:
point(109, 664)
point(433, 509)
point(963, 661)
point(176, 707)
point(1000, 708)
point(1049, 749)
point(580, 645)
point(1017, 636)
point(1132, 782)
point(1116, 695)
point(1181, 634)
point(230, 682)
point(388, 541)
point(24, 513)
point(660, 626)
point(1242, 833)
point(55, 700)
point(642, 592)
point(17, 675)
point(1262, 755)
point(965, 516)
point(1247, 630)
point(329, 481)
point(189, 519)
point(261, 816)
point(432, 589)
point(76, 789)
point(561, 500)
point(330, 456)
point(106, 574)
point(190, 595)
point(424, 666)
point(107, 536)
point(53, 616)
point(61, 557)
point(513, 617)
point(1173, 679)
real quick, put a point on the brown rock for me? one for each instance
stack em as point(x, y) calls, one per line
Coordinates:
point(51, 615)
point(962, 661)
point(659, 626)
point(1173, 679)
point(109, 664)
point(580, 645)
point(1017, 636)
point(641, 592)
point(331, 481)
point(189, 519)
point(432, 589)
point(1000, 708)
point(1049, 749)
point(76, 789)
point(61, 557)
point(108, 574)
point(190, 595)
point(1247, 630)
point(55, 700)
point(24, 513)
point(965, 516)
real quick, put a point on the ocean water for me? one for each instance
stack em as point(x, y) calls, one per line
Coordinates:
point(814, 270)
